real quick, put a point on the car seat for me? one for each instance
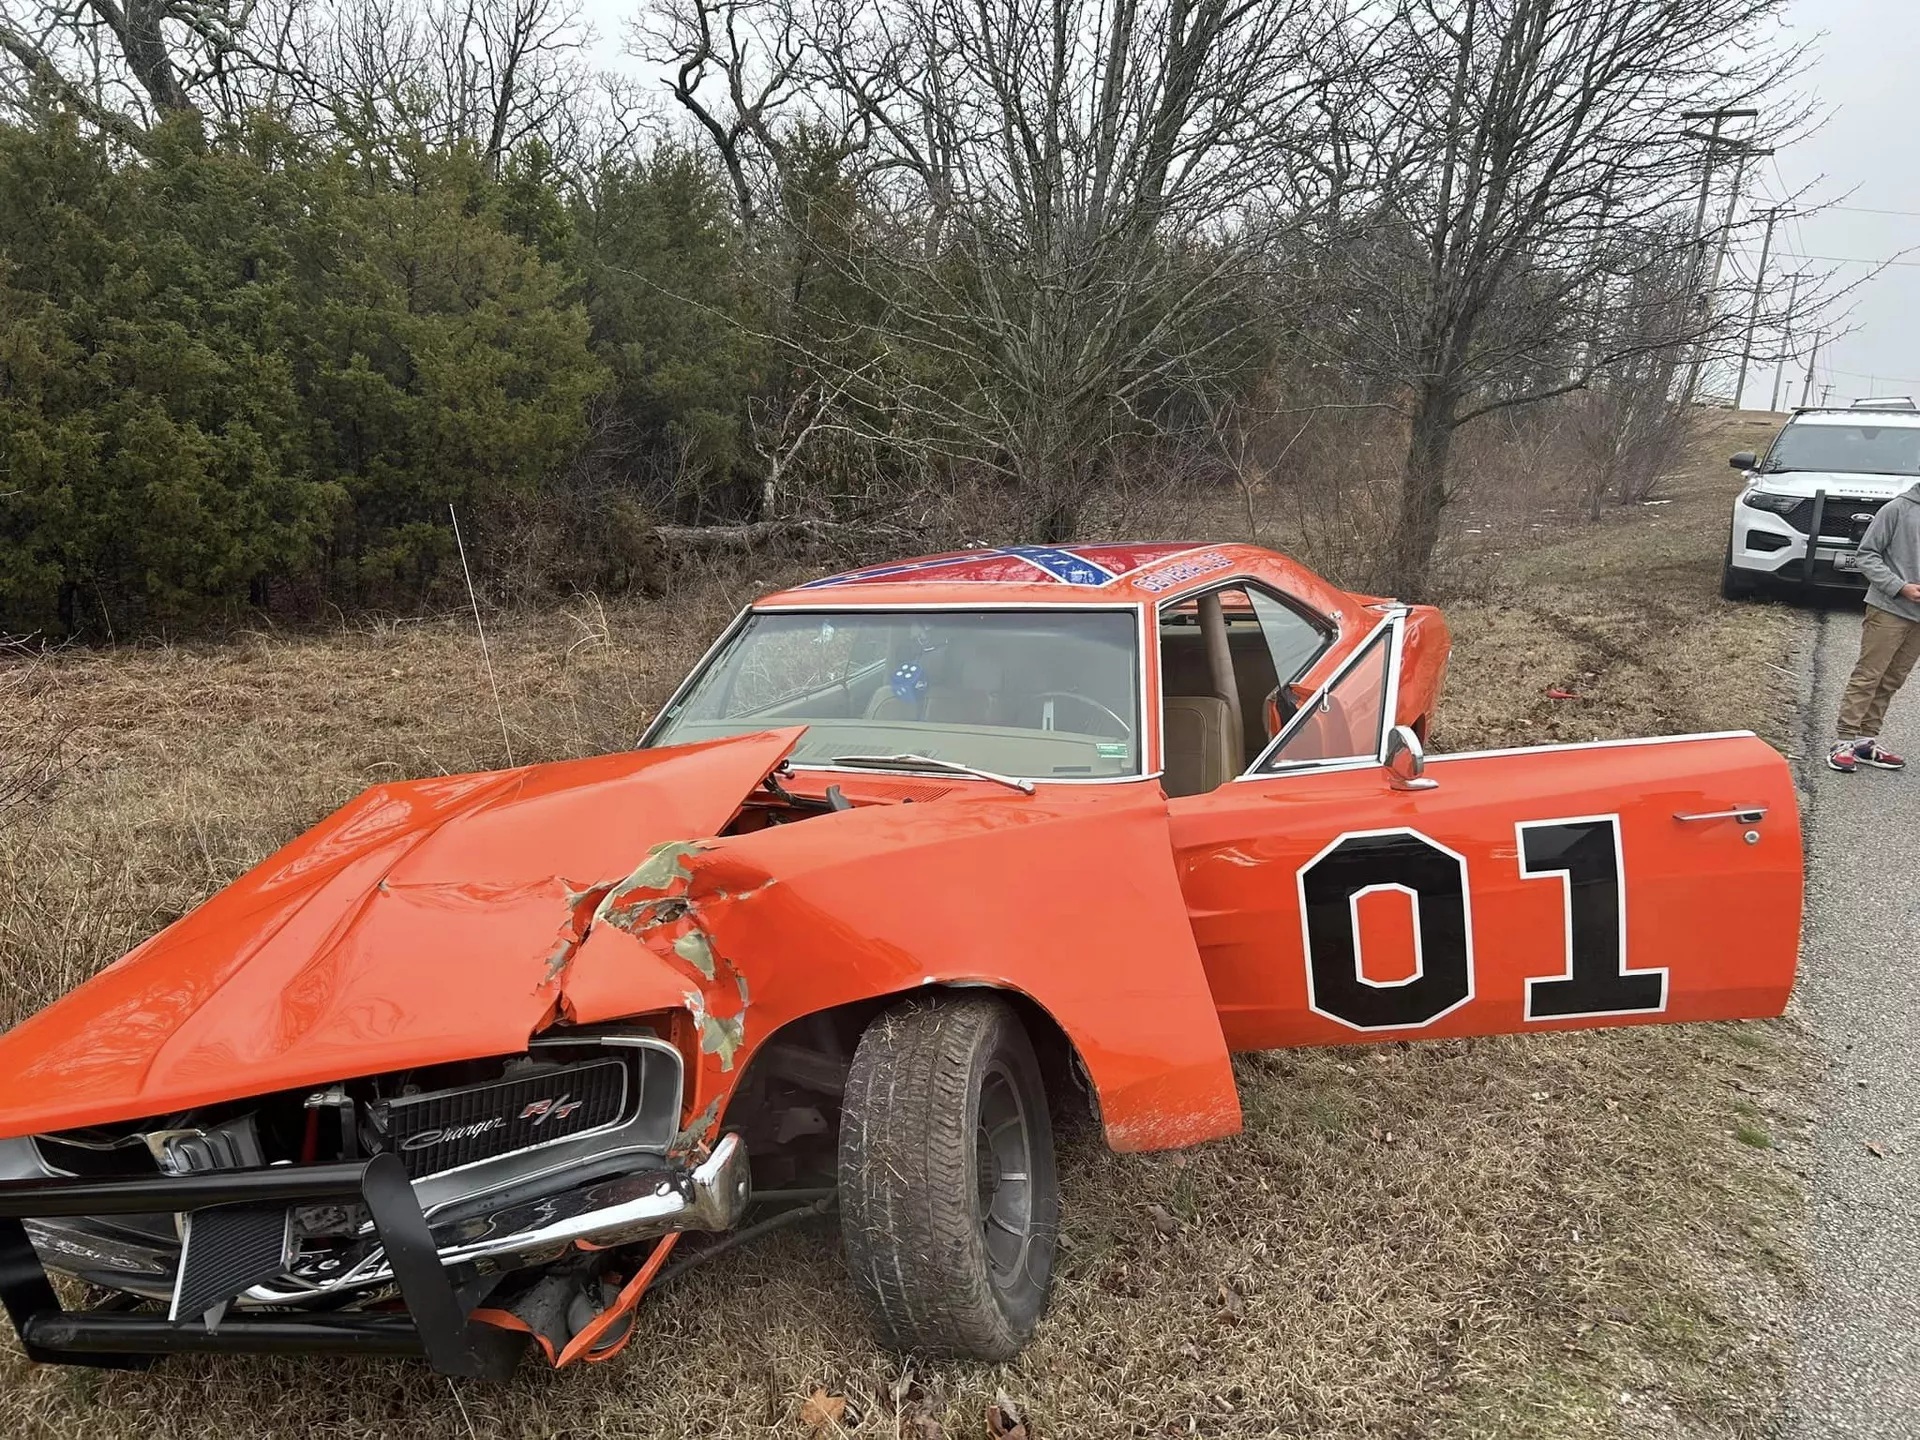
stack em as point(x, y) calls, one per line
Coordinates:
point(1199, 738)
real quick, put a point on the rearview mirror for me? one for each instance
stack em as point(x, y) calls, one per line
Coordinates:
point(1745, 460)
point(1407, 759)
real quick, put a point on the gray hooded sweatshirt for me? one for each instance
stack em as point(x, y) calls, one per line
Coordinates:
point(1890, 554)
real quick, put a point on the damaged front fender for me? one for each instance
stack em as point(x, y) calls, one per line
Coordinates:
point(1068, 898)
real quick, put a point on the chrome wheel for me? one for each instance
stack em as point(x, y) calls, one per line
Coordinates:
point(1003, 1157)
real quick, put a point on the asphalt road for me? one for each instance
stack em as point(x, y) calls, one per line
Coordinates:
point(1858, 1365)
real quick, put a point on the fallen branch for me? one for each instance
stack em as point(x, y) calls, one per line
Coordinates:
point(706, 539)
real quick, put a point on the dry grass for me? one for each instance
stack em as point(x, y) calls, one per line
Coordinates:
point(1554, 1236)
point(1625, 613)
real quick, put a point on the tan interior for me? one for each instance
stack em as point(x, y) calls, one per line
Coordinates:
point(1199, 738)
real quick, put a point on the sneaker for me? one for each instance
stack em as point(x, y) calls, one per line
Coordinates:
point(1868, 752)
point(1842, 757)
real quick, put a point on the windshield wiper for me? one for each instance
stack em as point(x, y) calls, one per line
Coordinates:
point(927, 762)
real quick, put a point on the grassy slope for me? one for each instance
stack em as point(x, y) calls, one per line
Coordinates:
point(1555, 1236)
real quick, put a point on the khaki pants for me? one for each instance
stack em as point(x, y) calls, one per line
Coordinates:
point(1888, 647)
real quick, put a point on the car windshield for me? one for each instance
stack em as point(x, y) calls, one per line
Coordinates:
point(1041, 694)
point(1849, 449)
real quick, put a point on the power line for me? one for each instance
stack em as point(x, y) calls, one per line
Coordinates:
point(1850, 260)
point(1786, 193)
point(1861, 375)
point(1866, 210)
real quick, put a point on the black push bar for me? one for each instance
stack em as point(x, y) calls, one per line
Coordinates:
point(435, 1326)
point(1813, 536)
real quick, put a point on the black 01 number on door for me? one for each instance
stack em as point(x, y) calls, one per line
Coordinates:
point(1581, 853)
point(1584, 855)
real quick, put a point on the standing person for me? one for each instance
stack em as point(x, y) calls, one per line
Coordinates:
point(1889, 634)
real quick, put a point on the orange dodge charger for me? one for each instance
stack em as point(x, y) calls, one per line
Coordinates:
point(916, 857)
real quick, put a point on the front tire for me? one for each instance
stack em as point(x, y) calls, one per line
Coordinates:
point(1735, 584)
point(949, 1203)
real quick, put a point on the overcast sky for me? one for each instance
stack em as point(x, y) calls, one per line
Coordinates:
point(1866, 157)
point(1865, 79)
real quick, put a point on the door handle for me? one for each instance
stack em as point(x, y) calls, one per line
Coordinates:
point(1746, 815)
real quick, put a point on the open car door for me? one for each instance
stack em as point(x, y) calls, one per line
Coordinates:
point(1346, 886)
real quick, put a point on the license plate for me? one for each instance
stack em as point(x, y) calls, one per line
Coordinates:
point(1846, 560)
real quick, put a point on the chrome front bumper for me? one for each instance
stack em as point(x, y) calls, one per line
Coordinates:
point(623, 1209)
point(403, 1253)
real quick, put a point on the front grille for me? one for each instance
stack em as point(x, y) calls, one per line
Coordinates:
point(1844, 520)
point(449, 1128)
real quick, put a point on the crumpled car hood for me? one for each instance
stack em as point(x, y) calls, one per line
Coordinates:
point(427, 921)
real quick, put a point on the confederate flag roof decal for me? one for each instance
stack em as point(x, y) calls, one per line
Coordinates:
point(1099, 564)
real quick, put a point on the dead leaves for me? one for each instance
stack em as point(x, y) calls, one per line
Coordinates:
point(1005, 1420)
point(905, 1410)
point(822, 1413)
point(1164, 1220)
point(1232, 1306)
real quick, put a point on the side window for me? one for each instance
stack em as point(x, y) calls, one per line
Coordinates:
point(1292, 640)
point(1270, 644)
point(1346, 718)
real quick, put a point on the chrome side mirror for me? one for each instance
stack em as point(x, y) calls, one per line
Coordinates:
point(1407, 759)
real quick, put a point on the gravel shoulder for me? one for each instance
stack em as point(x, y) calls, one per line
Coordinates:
point(1857, 1365)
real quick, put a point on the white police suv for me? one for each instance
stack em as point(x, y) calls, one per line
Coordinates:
point(1809, 499)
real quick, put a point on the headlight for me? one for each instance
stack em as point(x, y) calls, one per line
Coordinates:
point(1778, 504)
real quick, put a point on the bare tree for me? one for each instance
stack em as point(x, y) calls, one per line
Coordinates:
point(1057, 205)
point(126, 64)
point(1506, 164)
point(735, 67)
point(1630, 425)
point(489, 73)
point(509, 68)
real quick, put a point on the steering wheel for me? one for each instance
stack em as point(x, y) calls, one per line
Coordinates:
point(1091, 703)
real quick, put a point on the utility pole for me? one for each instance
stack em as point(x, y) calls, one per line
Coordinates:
point(1695, 244)
point(1745, 152)
point(1597, 297)
point(1786, 352)
point(1753, 313)
point(1806, 390)
point(1719, 118)
point(1826, 392)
